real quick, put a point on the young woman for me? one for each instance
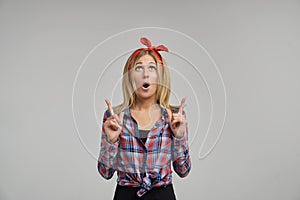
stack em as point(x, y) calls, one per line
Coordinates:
point(144, 135)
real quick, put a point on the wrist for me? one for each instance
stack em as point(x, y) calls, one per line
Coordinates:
point(179, 136)
point(113, 141)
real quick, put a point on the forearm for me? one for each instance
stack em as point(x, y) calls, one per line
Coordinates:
point(180, 154)
point(182, 165)
point(181, 157)
point(107, 158)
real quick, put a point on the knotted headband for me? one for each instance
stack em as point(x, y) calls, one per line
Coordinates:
point(154, 49)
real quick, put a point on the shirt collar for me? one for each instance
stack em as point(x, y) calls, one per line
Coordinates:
point(163, 111)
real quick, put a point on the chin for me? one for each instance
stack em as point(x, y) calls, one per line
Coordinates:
point(145, 95)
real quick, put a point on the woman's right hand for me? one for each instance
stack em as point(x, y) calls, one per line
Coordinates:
point(113, 124)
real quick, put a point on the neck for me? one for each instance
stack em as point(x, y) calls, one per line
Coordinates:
point(145, 104)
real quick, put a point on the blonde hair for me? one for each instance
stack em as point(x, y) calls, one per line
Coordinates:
point(128, 85)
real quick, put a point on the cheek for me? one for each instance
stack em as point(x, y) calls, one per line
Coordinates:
point(154, 77)
point(136, 77)
point(134, 80)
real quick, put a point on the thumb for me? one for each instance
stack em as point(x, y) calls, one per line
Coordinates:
point(121, 118)
point(170, 114)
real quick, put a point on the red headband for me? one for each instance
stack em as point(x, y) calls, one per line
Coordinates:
point(154, 49)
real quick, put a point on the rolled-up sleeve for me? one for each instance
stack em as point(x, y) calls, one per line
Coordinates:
point(108, 153)
point(180, 154)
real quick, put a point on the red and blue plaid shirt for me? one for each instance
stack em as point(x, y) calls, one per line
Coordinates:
point(145, 165)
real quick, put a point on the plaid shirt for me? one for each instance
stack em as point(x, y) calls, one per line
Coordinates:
point(144, 165)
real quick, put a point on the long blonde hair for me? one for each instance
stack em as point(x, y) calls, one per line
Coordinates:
point(128, 85)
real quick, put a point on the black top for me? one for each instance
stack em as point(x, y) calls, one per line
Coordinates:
point(143, 134)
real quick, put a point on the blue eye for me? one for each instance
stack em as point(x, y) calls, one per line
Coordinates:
point(138, 68)
point(152, 68)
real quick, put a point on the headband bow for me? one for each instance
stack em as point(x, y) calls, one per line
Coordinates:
point(154, 49)
point(147, 43)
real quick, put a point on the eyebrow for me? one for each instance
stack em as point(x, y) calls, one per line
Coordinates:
point(142, 63)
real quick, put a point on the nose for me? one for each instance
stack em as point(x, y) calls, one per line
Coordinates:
point(146, 75)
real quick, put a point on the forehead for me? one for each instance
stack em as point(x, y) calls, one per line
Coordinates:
point(146, 59)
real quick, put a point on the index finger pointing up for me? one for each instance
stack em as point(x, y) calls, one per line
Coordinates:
point(181, 105)
point(110, 109)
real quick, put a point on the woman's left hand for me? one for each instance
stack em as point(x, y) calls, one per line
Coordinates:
point(178, 121)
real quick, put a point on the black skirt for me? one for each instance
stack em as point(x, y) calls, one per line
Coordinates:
point(156, 193)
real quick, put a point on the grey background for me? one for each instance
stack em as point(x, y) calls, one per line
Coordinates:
point(255, 44)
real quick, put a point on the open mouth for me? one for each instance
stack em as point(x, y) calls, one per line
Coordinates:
point(146, 85)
